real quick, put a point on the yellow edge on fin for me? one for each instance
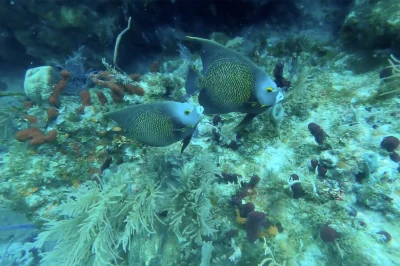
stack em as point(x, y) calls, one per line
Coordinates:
point(203, 40)
point(195, 38)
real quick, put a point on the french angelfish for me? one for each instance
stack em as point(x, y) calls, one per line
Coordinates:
point(231, 83)
point(159, 124)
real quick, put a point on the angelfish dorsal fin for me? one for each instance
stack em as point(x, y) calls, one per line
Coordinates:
point(211, 48)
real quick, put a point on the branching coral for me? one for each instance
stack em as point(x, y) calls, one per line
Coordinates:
point(395, 68)
point(86, 233)
point(188, 203)
point(115, 220)
point(140, 210)
point(5, 120)
point(89, 230)
point(270, 259)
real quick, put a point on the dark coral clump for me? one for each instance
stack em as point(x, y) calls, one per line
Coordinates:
point(316, 167)
point(226, 237)
point(255, 221)
point(386, 235)
point(236, 200)
point(294, 177)
point(280, 81)
point(318, 133)
point(234, 145)
point(279, 226)
point(229, 178)
point(296, 187)
point(395, 157)
point(253, 181)
point(106, 164)
point(245, 209)
point(245, 189)
point(314, 164)
point(328, 234)
point(321, 170)
point(390, 143)
point(216, 136)
point(217, 120)
point(360, 176)
point(297, 190)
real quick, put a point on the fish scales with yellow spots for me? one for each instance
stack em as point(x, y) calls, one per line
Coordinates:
point(159, 124)
point(231, 83)
point(154, 121)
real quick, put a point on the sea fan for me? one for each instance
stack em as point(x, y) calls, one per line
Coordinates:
point(75, 65)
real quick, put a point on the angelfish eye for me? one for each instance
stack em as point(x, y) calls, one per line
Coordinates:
point(187, 112)
point(269, 89)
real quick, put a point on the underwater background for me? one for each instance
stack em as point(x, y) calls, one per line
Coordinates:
point(125, 142)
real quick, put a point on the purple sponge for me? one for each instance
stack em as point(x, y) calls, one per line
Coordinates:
point(255, 220)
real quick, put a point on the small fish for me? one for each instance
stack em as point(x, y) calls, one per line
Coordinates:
point(231, 83)
point(159, 124)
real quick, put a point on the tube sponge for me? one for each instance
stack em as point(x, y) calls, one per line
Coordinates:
point(277, 113)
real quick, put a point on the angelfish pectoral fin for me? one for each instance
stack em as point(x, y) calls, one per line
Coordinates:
point(185, 142)
point(246, 121)
point(181, 130)
point(253, 104)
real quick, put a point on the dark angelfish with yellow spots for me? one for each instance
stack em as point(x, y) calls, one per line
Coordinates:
point(159, 124)
point(231, 83)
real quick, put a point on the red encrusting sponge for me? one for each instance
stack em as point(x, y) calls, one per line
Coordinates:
point(35, 136)
point(54, 99)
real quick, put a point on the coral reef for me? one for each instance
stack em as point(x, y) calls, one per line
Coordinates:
point(376, 25)
point(118, 88)
point(96, 210)
point(280, 192)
